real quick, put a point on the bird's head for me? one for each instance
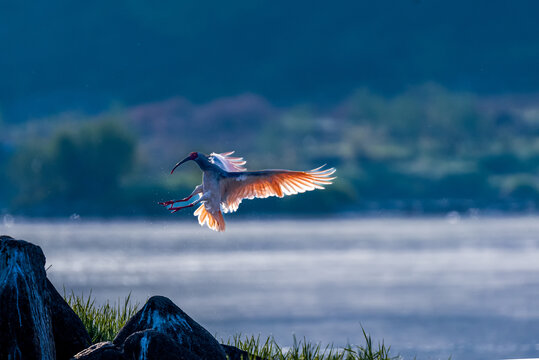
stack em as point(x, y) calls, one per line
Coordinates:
point(192, 156)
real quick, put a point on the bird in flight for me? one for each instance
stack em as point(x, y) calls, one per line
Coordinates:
point(225, 183)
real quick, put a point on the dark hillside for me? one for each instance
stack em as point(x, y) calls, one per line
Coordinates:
point(58, 56)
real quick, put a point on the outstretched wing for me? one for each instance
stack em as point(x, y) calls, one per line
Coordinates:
point(215, 221)
point(227, 162)
point(266, 183)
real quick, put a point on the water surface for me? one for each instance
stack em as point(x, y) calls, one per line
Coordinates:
point(430, 288)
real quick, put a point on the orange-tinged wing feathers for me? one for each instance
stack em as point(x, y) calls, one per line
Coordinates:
point(215, 221)
point(266, 183)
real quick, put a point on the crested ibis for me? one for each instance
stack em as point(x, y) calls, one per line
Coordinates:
point(225, 183)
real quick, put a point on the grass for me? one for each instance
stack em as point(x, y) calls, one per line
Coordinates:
point(104, 321)
point(101, 321)
point(305, 350)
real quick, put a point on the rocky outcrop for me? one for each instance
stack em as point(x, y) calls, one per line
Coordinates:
point(70, 335)
point(35, 321)
point(162, 331)
point(151, 344)
point(162, 315)
point(25, 322)
point(101, 351)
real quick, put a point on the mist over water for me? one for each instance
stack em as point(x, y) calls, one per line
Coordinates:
point(431, 287)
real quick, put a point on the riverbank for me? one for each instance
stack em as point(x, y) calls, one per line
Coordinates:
point(103, 321)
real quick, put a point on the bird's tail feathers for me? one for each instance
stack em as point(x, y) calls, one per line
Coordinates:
point(214, 221)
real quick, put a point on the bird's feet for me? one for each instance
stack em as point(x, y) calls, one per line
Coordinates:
point(171, 202)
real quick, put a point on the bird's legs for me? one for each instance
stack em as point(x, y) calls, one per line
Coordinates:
point(197, 190)
point(203, 198)
point(171, 202)
point(175, 209)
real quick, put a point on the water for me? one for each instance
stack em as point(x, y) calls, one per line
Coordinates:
point(431, 288)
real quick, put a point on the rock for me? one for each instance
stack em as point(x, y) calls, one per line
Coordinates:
point(36, 322)
point(154, 345)
point(25, 320)
point(233, 353)
point(162, 315)
point(70, 335)
point(101, 351)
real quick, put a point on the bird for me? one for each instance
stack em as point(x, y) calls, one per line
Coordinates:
point(226, 183)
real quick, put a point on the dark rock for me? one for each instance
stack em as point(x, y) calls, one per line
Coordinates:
point(162, 315)
point(70, 335)
point(154, 345)
point(101, 351)
point(233, 353)
point(25, 321)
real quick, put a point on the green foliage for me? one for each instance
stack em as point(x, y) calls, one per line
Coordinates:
point(76, 169)
point(426, 145)
point(427, 112)
point(104, 321)
point(502, 163)
point(101, 321)
point(31, 170)
point(91, 161)
point(304, 350)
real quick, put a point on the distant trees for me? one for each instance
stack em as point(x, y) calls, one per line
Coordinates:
point(422, 145)
point(427, 149)
point(92, 161)
point(76, 168)
point(428, 113)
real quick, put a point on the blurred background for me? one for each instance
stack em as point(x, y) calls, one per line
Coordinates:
point(423, 106)
point(426, 108)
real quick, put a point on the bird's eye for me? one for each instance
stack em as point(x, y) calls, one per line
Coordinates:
point(193, 155)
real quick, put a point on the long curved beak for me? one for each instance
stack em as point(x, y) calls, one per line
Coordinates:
point(181, 162)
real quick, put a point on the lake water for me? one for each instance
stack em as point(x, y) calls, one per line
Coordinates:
point(431, 287)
